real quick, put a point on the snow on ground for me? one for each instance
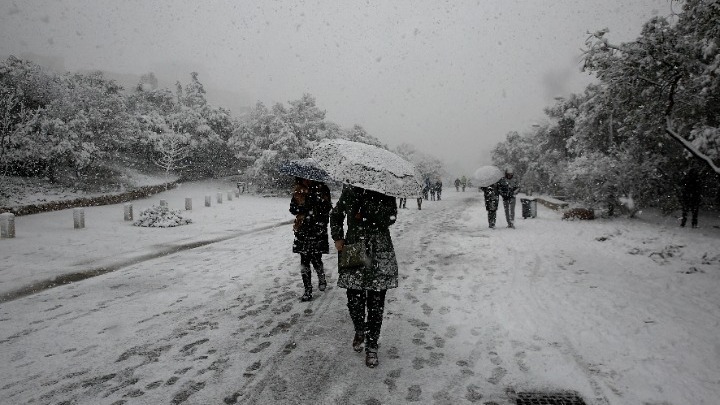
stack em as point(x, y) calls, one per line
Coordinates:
point(621, 311)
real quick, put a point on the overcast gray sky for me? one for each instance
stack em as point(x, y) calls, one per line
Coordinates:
point(450, 77)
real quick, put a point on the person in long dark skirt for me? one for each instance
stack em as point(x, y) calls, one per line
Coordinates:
point(311, 206)
point(492, 199)
point(369, 215)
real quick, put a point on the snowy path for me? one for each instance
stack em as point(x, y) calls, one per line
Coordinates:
point(551, 305)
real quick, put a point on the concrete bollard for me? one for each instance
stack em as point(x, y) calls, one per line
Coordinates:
point(128, 212)
point(229, 195)
point(188, 204)
point(208, 201)
point(163, 203)
point(79, 218)
point(7, 225)
point(219, 198)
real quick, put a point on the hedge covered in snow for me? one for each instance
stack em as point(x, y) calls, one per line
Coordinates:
point(161, 217)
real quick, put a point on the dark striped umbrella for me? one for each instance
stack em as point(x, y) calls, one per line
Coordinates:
point(305, 168)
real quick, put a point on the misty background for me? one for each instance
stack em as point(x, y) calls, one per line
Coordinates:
point(451, 78)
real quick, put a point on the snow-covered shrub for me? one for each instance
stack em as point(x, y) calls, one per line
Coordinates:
point(161, 217)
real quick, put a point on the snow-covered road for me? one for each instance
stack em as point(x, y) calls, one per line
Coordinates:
point(619, 311)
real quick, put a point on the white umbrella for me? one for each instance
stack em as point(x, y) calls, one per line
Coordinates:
point(487, 175)
point(368, 167)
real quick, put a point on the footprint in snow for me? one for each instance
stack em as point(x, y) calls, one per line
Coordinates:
point(414, 393)
point(262, 346)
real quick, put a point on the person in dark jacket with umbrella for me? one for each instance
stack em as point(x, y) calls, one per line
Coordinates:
point(492, 198)
point(311, 206)
point(369, 215)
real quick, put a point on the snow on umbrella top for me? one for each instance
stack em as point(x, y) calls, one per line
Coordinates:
point(487, 175)
point(368, 167)
point(304, 168)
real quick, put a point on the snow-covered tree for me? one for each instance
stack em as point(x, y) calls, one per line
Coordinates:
point(358, 134)
point(429, 166)
point(669, 78)
point(172, 149)
point(268, 137)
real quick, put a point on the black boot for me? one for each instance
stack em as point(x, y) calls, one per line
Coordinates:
point(371, 359)
point(358, 341)
point(307, 296)
point(322, 283)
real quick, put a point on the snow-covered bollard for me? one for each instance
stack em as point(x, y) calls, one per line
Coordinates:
point(229, 195)
point(79, 218)
point(188, 204)
point(237, 193)
point(128, 212)
point(208, 201)
point(219, 198)
point(7, 225)
point(163, 203)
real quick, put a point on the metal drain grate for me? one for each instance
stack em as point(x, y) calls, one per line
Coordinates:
point(548, 398)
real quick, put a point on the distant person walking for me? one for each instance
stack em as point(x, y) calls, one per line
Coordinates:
point(438, 189)
point(311, 205)
point(492, 199)
point(426, 189)
point(690, 197)
point(463, 182)
point(369, 215)
point(457, 184)
point(508, 187)
point(402, 202)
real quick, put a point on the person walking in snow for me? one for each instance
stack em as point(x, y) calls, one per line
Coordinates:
point(311, 205)
point(438, 189)
point(457, 184)
point(369, 215)
point(492, 198)
point(402, 202)
point(508, 187)
point(463, 183)
point(690, 197)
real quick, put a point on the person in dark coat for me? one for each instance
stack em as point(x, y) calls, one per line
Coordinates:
point(691, 195)
point(457, 184)
point(311, 206)
point(369, 215)
point(438, 189)
point(508, 187)
point(492, 198)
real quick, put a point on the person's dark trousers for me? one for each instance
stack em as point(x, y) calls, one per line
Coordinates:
point(509, 205)
point(492, 216)
point(438, 195)
point(693, 209)
point(316, 260)
point(366, 311)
